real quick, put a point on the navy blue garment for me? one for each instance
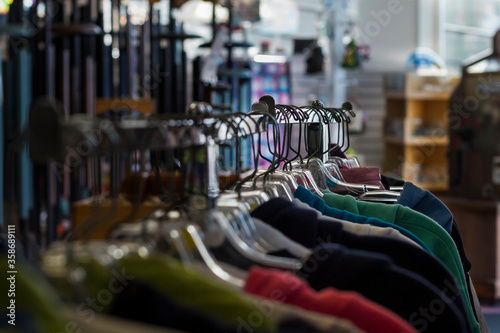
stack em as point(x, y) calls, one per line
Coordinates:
point(416, 198)
point(275, 211)
point(304, 227)
point(444, 220)
point(377, 278)
point(319, 204)
point(426, 203)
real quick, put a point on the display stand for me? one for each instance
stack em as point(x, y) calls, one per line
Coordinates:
point(415, 129)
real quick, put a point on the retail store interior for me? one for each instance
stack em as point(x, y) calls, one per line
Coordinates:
point(250, 166)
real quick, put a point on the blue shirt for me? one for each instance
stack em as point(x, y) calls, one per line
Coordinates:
point(316, 202)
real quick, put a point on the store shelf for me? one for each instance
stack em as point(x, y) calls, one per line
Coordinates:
point(426, 141)
point(418, 141)
point(411, 111)
point(432, 96)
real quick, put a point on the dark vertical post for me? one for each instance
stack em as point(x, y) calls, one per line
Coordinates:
point(52, 190)
point(155, 63)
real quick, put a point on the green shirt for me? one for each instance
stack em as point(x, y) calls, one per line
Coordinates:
point(191, 288)
point(36, 302)
point(430, 232)
point(181, 284)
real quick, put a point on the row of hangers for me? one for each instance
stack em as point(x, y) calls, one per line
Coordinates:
point(315, 118)
point(203, 217)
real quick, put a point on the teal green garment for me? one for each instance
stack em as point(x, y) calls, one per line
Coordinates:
point(430, 232)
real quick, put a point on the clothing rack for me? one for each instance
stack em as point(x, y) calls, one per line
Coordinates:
point(179, 130)
point(200, 127)
point(156, 132)
point(215, 228)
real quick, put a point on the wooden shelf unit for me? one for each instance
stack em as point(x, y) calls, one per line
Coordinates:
point(416, 132)
point(418, 95)
point(418, 140)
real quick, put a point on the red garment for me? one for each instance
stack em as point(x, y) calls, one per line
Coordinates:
point(288, 288)
point(362, 175)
